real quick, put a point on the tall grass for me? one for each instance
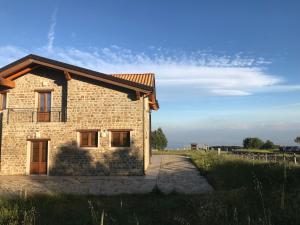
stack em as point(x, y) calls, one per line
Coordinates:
point(16, 213)
point(246, 193)
point(255, 192)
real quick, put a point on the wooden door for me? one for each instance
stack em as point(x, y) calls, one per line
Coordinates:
point(44, 107)
point(39, 157)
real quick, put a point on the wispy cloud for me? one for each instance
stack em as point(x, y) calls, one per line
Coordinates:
point(199, 73)
point(228, 92)
point(51, 32)
point(10, 53)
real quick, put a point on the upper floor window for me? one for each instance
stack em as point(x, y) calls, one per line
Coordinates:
point(88, 139)
point(44, 106)
point(3, 97)
point(120, 138)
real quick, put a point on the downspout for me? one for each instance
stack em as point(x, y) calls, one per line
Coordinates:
point(150, 130)
point(143, 135)
point(1, 130)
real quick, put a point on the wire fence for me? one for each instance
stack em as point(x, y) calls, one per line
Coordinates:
point(269, 157)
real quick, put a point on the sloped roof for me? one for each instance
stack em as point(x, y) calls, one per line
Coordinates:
point(146, 79)
point(144, 83)
point(28, 60)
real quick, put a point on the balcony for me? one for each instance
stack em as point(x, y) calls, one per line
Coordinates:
point(32, 115)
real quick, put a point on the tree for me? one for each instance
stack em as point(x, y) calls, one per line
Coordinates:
point(153, 139)
point(158, 139)
point(252, 142)
point(297, 139)
point(268, 145)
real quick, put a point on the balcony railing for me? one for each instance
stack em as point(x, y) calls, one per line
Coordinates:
point(25, 115)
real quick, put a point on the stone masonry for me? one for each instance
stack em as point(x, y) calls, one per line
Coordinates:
point(77, 104)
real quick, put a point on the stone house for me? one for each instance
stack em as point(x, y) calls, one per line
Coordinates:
point(60, 119)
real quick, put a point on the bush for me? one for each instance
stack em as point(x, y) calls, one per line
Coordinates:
point(252, 142)
point(268, 145)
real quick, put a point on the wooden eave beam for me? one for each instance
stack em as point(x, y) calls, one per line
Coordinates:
point(15, 68)
point(67, 75)
point(138, 95)
point(7, 83)
point(154, 106)
point(20, 73)
point(151, 98)
point(152, 102)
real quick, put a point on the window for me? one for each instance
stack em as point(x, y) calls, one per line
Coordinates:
point(88, 139)
point(44, 106)
point(120, 138)
point(2, 101)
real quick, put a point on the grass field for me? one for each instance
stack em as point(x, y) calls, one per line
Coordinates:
point(245, 193)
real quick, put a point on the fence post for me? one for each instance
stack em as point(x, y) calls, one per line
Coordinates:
point(295, 158)
point(266, 156)
point(219, 151)
point(275, 157)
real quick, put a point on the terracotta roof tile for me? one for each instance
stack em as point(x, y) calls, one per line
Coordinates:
point(140, 78)
point(147, 79)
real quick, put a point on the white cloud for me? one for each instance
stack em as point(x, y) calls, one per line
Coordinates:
point(51, 32)
point(223, 92)
point(200, 73)
point(9, 54)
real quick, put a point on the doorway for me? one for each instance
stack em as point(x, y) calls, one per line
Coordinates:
point(39, 157)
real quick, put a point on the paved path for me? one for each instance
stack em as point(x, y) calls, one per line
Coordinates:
point(168, 172)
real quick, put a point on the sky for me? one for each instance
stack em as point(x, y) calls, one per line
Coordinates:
point(225, 70)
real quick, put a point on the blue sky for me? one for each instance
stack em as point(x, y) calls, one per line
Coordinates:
point(225, 69)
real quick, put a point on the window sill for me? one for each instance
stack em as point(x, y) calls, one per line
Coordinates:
point(120, 148)
point(88, 148)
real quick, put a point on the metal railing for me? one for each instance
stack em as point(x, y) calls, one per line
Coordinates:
point(25, 115)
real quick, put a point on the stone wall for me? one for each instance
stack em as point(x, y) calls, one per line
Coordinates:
point(89, 105)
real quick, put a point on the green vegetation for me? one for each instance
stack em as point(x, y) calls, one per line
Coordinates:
point(246, 193)
point(265, 193)
point(158, 139)
point(154, 208)
point(256, 143)
point(252, 142)
point(268, 145)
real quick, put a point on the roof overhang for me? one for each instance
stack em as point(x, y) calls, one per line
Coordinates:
point(26, 64)
point(12, 69)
